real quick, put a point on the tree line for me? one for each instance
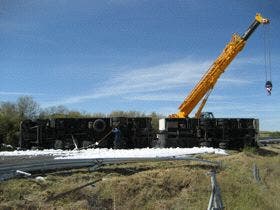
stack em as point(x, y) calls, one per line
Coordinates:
point(25, 107)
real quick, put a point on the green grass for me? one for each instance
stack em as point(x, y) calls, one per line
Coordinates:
point(156, 185)
point(269, 134)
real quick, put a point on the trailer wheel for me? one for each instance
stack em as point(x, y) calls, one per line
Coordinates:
point(205, 144)
point(223, 145)
point(87, 143)
point(99, 125)
point(58, 144)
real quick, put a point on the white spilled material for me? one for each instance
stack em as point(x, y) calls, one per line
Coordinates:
point(33, 152)
point(40, 179)
point(23, 173)
point(116, 153)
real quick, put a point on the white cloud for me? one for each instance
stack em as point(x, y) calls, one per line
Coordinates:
point(156, 97)
point(165, 97)
point(235, 81)
point(144, 82)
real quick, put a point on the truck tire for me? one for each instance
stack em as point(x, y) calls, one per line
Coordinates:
point(205, 144)
point(86, 143)
point(223, 145)
point(58, 144)
point(99, 125)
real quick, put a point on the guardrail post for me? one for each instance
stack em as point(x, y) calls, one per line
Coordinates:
point(256, 173)
point(215, 202)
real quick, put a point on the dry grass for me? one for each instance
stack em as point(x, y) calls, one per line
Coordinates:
point(155, 185)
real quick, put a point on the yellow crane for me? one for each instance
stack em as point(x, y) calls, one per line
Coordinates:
point(204, 87)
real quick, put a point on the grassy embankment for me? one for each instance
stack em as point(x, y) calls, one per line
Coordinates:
point(269, 134)
point(156, 185)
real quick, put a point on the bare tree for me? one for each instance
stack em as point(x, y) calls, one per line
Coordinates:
point(27, 108)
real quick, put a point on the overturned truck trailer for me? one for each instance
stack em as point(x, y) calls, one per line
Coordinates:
point(226, 133)
point(68, 133)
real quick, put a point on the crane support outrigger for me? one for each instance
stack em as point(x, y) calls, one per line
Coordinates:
point(208, 81)
point(179, 130)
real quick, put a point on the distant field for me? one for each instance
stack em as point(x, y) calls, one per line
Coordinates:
point(269, 134)
point(155, 185)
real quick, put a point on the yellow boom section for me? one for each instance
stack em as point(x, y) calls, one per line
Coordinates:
point(212, 75)
point(217, 68)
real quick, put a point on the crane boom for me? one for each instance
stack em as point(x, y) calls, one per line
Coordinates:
point(210, 78)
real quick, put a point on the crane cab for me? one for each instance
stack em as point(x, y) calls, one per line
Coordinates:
point(206, 115)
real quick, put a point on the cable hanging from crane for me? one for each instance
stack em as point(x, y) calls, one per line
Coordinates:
point(267, 60)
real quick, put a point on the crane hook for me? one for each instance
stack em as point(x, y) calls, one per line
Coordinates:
point(268, 86)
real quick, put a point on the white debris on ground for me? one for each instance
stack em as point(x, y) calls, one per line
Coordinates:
point(116, 153)
point(40, 179)
point(34, 152)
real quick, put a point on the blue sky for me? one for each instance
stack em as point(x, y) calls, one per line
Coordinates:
point(100, 56)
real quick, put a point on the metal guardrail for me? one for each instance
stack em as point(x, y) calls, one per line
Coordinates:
point(9, 171)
